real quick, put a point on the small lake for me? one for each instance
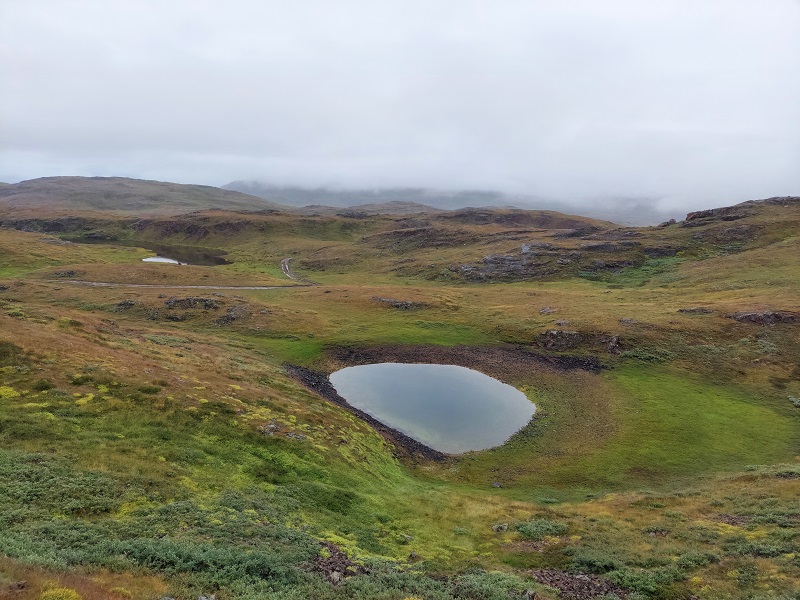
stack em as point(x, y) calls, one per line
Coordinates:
point(162, 259)
point(448, 408)
point(186, 255)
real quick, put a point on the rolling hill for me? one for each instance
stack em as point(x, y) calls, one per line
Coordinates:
point(170, 431)
point(123, 195)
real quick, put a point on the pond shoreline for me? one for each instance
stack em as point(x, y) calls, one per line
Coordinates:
point(318, 382)
point(500, 362)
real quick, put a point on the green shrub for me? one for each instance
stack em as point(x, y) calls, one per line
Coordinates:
point(42, 385)
point(646, 582)
point(693, 560)
point(538, 529)
point(589, 560)
point(9, 353)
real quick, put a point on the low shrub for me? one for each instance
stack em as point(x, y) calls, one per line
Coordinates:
point(538, 529)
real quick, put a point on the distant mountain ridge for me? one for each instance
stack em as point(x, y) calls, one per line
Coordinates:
point(627, 211)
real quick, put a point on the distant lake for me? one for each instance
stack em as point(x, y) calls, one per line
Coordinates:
point(162, 259)
point(448, 408)
point(188, 255)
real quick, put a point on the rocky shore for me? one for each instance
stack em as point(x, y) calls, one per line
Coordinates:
point(405, 445)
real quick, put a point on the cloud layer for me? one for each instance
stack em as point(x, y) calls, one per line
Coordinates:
point(693, 103)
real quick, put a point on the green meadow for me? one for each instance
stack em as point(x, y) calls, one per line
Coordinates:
point(153, 443)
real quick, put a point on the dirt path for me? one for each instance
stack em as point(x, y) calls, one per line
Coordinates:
point(287, 270)
point(178, 287)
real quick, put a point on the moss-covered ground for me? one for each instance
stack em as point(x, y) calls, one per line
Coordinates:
point(150, 448)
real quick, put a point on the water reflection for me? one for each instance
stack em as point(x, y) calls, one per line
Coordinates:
point(162, 259)
point(448, 408)
point(187, 255)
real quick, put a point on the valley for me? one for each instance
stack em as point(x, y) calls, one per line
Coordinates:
point(166, 429)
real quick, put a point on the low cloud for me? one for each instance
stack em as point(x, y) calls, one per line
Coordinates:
point(688, 104)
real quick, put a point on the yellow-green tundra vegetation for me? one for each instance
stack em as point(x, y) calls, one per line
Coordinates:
point(153, 442)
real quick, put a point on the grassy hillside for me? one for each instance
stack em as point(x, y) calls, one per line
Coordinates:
point(123, 195)
point(154, 442)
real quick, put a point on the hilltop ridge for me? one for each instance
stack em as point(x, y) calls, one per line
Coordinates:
point(124, 195)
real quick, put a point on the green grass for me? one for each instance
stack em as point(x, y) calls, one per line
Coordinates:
point(182, 450)
point(673, 424)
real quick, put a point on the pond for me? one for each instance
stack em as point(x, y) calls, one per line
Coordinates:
point(186, 255)
point(448, 408)
point(162, 259)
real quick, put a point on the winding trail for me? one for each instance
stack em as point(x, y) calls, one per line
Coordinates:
point(285, 269)
point(178, 287)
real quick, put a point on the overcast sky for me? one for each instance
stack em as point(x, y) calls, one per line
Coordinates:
point(695, 103)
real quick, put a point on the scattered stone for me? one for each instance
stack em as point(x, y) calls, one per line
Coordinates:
point(601, 247)
point(577, 586)
point(547, 310)
point(696, 310)
point(614, 345)
point(296, 436)
point(413, 557)
point(725, 213)
point(269, 428)
point(497, 484)
point(735, 520)
point(69, 273)
point(767, 317)
point(794, 401)
point(562, 322)
point(500, 527)
point(177, 318)
point(559, 340)
point(3, 288)
point(628, 321)
point(401, 304)
point(336, 566)
point(234, 313)
point(667, 223)
point(124, 305)
point(508, 267)
point(191, 302)
point(532, 248)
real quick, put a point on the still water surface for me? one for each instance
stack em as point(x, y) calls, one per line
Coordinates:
point(187, 255)
point(162, 259)
point(451, 409)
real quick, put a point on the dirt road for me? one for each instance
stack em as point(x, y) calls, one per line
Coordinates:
point(178, 287)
